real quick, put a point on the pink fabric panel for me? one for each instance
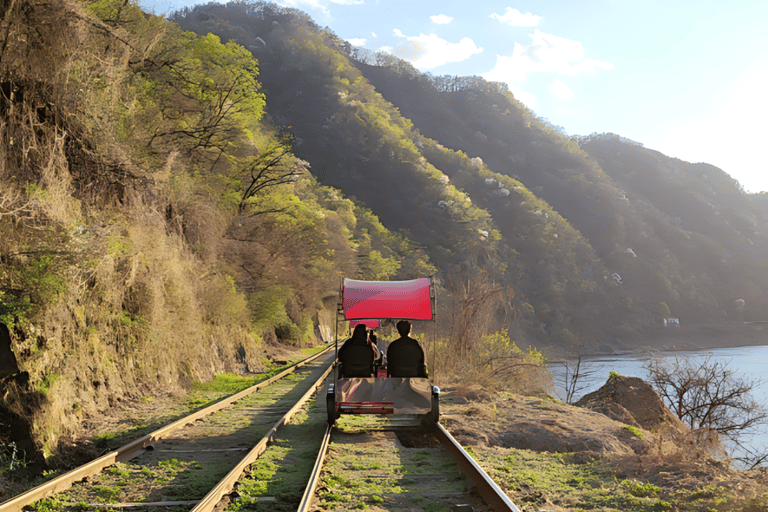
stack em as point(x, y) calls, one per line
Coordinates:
point(371, 324)
point(387, 299)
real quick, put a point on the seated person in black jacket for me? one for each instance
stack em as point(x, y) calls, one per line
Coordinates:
point(405, 357)
point(357, 355)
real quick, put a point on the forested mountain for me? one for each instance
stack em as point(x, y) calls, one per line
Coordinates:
point(599, 237)
point(176, 194)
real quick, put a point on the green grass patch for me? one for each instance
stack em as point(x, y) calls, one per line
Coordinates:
point(363, 474)
point(592, 485)
point(229, 383)
point(48, 505)
point(106, 494)
point(284, 469)
point(307, 352)
point(640, 490)
point(633, 429)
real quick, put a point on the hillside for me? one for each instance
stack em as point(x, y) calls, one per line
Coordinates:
point(599, 242)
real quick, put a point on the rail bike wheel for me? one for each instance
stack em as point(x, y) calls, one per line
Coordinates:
point(330, 405)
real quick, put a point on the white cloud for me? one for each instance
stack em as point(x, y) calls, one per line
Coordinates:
point(441, 19)
point(347, 2)
point(357, 41)
point(560, 90)
point(374, 34)
point(431, 51)
point(546, 54)
point(517, 19)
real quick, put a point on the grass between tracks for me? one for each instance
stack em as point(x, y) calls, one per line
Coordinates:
point(126, 482)
point(401, 470)
point(203, 395)
point(283, 470)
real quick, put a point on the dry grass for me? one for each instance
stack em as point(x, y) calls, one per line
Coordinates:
point(145, 304)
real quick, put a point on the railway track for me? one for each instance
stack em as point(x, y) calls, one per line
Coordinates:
point(385, 464)
point(208, 461)
point(180, 463)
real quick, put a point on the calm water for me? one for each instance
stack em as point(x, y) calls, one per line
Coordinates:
point(748, 362)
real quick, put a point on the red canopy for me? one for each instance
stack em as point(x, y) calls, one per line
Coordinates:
point(410, 300)
point(369, 323)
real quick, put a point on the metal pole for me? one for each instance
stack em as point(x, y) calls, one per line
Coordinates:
point(433, 294)
point(339, 306)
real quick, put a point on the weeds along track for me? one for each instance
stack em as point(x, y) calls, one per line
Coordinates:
point(379, 464)
point(191, 463)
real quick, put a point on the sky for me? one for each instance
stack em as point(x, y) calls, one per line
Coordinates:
point(687, 78)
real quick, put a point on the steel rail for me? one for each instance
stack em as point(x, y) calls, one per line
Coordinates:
point(309, 492)
point(489, 491)
point(135, 448)
point(225, 486)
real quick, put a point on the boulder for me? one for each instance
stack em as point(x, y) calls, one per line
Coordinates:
point(633, 401)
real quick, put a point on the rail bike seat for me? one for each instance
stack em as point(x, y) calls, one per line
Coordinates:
point(356, 361)
point(406, 361)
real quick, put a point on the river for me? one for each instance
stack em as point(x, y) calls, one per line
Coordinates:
point(750, 362)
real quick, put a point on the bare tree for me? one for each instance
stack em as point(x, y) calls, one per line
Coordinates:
point(708, 395)
point(575, 378)
point(475, 303)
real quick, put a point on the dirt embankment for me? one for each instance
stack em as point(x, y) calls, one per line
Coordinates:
point(625, 424)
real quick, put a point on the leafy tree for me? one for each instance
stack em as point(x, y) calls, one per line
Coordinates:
point(272, 167)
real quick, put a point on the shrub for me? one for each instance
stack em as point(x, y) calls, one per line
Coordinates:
point(639, 490)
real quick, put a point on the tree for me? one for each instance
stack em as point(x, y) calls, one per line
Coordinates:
point(575, 378)
point(272, 167)
point(197, 93)
point(476, 301)
point(707, 395)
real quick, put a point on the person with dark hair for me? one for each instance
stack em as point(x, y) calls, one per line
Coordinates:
point(357, 355)
point(405, 357)
point(374, 341)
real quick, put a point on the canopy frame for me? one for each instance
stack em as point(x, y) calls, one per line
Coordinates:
point(413, 299)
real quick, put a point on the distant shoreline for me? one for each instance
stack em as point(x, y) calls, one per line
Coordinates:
point(700, 337)
point(686, 337)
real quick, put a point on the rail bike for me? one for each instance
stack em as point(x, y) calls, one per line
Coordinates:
point(378, 388)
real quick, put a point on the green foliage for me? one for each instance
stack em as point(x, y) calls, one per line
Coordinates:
point(13, 309)
point(498, 349)
point(640, 490)
point(48, 382)
point(274, 166)
point(106, 494)
point(48, 505)
point(29, 288)
point(11, 460)
point(634, 430)
point(614, 375)
point(662, 310)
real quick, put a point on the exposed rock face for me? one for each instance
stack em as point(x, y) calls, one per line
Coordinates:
point(633, 401)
